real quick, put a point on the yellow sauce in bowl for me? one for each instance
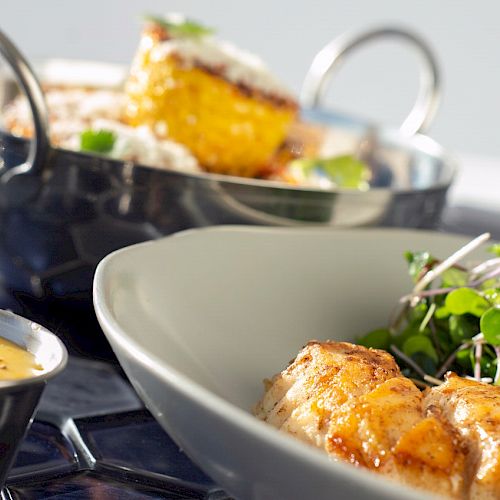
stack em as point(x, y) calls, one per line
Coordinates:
point(16, 362)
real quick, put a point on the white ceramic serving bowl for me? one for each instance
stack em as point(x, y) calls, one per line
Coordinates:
point(199, 319)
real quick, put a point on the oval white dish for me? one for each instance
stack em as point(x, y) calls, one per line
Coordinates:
point(199, 319)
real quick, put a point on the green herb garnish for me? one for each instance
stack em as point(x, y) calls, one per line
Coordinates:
point(343, 171)
point(97, 141)
point(181, 27)
point(378, 339)
point(490, 326)
point(495, 249)
point(451, 319)
point(417, 262)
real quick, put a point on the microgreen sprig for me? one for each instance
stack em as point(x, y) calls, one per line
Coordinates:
point(450, 320)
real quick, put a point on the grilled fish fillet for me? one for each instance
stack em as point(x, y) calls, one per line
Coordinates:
point(473, 408)
point(354, 403)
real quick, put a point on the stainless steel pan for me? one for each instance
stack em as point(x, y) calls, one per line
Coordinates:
point(62, 211)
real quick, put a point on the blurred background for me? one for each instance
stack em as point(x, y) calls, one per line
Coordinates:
point(379, 81)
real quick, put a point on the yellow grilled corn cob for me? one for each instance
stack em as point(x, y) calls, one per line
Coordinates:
point(231, 128)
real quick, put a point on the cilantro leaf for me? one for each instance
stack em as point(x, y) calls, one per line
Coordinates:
point(181, 27)
point(344, 171)
point(97, 141)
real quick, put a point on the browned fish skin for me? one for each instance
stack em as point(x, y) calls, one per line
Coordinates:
point(354, 403)
point(335, 373)
point(473, 409)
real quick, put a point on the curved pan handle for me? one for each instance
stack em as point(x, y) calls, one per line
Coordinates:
point(26, 78)
point(329, 58)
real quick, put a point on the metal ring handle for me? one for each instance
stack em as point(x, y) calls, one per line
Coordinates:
point(26, 78)
point(329, 58)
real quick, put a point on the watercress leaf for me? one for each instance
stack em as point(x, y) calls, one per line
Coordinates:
point(441, 313)
point(378, 339)
point(420, 344)
point(464, 359)
point(492, 295)
point(490, 325)
point(454, 277)
point(495, 249)
point(97, 141)
point(417, 261)
point(462, 328)
point(488, 367)
point(410, 330)
point(488, 284)
point(444, 342)
point(466, 300)
point(425, 362)
point(418, 312)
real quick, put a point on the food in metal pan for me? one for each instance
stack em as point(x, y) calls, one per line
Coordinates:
point(220, 102)
point(195, 103)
